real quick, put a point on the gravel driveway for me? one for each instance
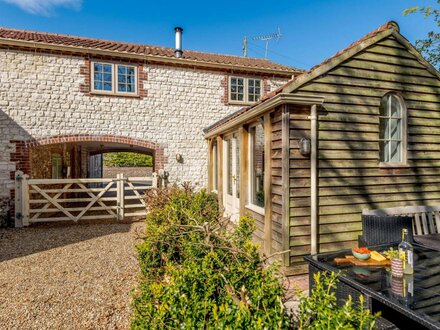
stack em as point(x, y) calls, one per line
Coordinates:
point(76, 276)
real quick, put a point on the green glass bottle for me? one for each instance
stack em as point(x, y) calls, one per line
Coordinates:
point(407, 252)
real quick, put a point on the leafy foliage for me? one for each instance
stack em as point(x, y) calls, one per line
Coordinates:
point(320, 310)
point(430, 46)
point(198, 273)
point(127, 159)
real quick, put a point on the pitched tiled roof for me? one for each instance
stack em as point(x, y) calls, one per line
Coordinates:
point(305, 74)
point(384, 27)
point(140, 49)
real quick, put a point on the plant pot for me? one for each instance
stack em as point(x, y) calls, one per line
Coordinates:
point(397, 267)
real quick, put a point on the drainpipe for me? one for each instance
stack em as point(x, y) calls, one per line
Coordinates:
point(314, 179)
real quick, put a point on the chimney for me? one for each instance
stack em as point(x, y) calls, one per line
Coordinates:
point(178, 52)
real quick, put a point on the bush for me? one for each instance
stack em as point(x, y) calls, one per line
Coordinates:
point(320, 310)
point(127, 159)
point(198, 273)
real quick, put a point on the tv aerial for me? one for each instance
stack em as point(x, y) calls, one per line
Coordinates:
point(266, 38)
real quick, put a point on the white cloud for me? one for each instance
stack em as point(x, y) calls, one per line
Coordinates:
point(44, 7)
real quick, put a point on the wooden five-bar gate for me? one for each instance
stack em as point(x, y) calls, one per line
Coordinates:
point(48, 200)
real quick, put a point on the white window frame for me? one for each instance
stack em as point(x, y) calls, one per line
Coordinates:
point(403, 131)
point(245, 90)
point(114, 73)
point(250, 204)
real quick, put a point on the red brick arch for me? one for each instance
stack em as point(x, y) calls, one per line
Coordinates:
point(21, 155)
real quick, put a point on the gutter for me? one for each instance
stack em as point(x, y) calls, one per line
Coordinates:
point(143, 57)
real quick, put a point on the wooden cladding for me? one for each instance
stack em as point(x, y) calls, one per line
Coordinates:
point(350, 176)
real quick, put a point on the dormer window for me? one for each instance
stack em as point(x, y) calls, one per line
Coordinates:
point(244, 90)
point(111, 78)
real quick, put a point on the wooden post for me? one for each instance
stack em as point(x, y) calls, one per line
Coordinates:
point(120, 195)
point(267, 184)
point(244, 168)
point(18, 199)
point(285, 161)
point(154, 182)
point(220, 170)
point(25, 199)
point(210, 167)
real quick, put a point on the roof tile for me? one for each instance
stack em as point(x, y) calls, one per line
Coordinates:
point(132, 48)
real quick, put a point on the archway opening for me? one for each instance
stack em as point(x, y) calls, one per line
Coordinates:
point(90, 159)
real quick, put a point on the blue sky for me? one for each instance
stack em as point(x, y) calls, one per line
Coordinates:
point(312, 29)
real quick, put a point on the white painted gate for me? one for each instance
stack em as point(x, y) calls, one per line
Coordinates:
point(48, 200)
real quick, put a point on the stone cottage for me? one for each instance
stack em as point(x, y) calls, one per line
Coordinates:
point(64, 99)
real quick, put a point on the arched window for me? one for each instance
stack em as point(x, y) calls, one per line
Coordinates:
point(392, 129)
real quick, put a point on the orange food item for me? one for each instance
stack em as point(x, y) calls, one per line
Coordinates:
point(362, 250)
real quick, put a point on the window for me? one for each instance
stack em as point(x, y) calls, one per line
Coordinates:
point(256, 163)
point(57, 166)
point(110, 78)
point(392, 130)
point(244, 90)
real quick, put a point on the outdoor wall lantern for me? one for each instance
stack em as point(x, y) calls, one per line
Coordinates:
point(179, 158)
point(304, 146)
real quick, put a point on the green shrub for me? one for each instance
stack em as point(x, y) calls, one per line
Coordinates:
point(320, 310)
point(127, 159)
point(198, 273)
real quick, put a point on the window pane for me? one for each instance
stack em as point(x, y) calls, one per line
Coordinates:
point(257, 170)
point(102, 77)
point(236, 91)
point(382, 128)
point(107, 77)
point(126, 79)
point(395, 107)
point(395, 152)
point(254, 90)
point(384, 151)
point(229, 162)
point(98, 85)
point(383, 110)
point(395, 129)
